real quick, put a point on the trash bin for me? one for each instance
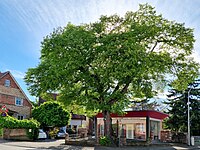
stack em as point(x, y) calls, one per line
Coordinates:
point(192, 140)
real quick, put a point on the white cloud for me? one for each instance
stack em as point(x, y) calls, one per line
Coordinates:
point(17, 74)
point(39, 17)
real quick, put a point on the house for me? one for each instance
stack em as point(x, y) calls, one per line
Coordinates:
point(13, 97)
point(137, 125)
point(77, 121)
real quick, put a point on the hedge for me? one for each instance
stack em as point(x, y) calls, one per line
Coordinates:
point(13, 123)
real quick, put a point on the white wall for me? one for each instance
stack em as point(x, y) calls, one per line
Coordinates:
point(78, 123)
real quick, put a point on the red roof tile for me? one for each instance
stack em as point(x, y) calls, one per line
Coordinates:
point(141, 113)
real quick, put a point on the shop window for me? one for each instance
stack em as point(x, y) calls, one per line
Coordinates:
point(102, 129)
point(140, 131)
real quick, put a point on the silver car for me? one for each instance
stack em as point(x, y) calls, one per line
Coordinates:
point(42, 134)
point(61, 134)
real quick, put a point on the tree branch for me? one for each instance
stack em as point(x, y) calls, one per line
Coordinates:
point(106, 89)
point(154, 46)
point(123, 91)
point(116, 88)
point(125, 88)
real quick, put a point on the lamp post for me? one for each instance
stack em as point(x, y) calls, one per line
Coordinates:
point(188, 103)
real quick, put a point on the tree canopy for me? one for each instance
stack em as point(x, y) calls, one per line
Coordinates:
point(178, 109)
point(101, 64)
point(51, 114)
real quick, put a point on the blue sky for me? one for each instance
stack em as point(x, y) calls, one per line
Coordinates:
point(24, 23)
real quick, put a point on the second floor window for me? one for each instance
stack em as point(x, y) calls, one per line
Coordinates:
point(18, 101)
point(7, 83)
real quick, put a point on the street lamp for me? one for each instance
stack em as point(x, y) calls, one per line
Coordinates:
point(188, 103)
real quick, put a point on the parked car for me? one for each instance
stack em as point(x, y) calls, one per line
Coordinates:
point(61, 134)
point(42, 134)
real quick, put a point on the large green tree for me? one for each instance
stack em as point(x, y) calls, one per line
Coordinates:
point(51, 114)
point(178, 109)
point(100, 65)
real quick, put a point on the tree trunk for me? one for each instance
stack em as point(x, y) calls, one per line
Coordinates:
point(107, 123)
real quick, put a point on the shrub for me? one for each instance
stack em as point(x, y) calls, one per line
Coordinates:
point(13, 123)
point(32, 133)
point(1, 132)
point(51, 114)
point(105, 141)
point(53, 133)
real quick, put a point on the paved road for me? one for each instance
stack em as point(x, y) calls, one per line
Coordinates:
point(59, 145)
point(45, 144)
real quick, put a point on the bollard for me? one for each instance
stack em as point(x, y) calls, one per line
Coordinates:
point(192, 140)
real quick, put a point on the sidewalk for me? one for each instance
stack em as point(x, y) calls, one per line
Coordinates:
point(184, 146)
point(156, 146)
point(170, 146)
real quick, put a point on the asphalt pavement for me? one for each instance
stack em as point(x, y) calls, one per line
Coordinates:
point(59, 145)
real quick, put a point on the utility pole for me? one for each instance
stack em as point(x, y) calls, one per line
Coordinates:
point(188, 103)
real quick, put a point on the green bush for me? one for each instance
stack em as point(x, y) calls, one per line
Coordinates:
point(13, 123)
point(51, 114)
point(105, 141)
point(30, 125)
point(1, 132)
point(32, 133)
point(53, 132)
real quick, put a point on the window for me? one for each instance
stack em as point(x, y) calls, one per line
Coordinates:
point(129, 131)
point(140, 131)
point(7, 83)
point(102, 129)
point(140, 127)
point(18, 101)
point(20, 117)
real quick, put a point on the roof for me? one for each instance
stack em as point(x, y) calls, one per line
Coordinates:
point(3, 74)
point(41, 100)
point(78, 117)
point(8, 72)
point(140, 113)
